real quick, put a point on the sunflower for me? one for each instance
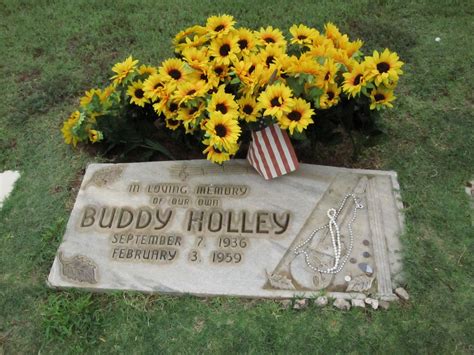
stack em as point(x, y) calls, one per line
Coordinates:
point(332, 32)
point(95, 136)
point(172, 123)
point(136, 93)
point(331, 97)
point(189, 115)
point(219, 25)
point(248, 108)
point(183, 39)
point(250, 71)
point(298, 118)
point(103, 95)
point(223, 132)
point(224, 49)
point(270, 35)
point(173, 70)
point(216, 73)
point(146, 70)
point(348, 46)
point(381, 97)
point(216, 155)
point(276, 100)
point(88, 96)
point(270, 54)
point(170, 110)
point(223, 103)
point(383, 67)
point(190, 90)
point(153, 86)
point(67, 130)
point(354, 80)
point(328, 73)
point(305, 64)
point(196, 58)
point(246, 40)
point(123, 69)
point(303, 35)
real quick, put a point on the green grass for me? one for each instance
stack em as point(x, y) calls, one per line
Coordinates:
point(54, 50)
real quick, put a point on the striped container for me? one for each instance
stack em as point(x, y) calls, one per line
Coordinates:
point(271, 152)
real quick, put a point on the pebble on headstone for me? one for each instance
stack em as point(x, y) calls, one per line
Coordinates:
point(358, 303)
point(402, 293)
point(372, 302)
point(301, 304)
point(342, 304)
point(321, 301)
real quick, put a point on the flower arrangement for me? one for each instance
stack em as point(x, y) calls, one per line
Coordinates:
point(226, 81)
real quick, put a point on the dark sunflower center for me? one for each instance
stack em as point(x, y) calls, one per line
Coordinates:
point(379, 97)
point(221, 107)
point(173, 122)
point(294, 116)
point(383, 67)
point(173, 107)
point(248, 109)
point(203, 77)
point(139, 93)
point(193, 110)
point(219, 28)
point(224, 50)
point(269, 60)
point(191, 92)
point(251, 69)
point(357, 79)
point(326, 77)
point(175, 74)
point(218, 70)
point(302, 37)
point(275, 102)
point(269, 40)
point(243, 43)
point(330, 95)
point(221, 130)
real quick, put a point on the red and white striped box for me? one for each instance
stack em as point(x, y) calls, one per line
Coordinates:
point(271, 152)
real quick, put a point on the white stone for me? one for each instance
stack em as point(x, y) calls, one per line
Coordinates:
point(384, 304)
point(437, 39)
point(402, 293)
point(358, 303)
point(191, 227)
point(372, 302)
point(7, 182)
point(301, 304)
point(342, 304)
point(321, 301)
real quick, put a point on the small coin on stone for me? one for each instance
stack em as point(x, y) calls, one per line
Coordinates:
point(365, 242)
point(366, 254)
point(347, 278)
point(353, 260)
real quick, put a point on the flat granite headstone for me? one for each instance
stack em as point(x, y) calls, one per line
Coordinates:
point(191, 227)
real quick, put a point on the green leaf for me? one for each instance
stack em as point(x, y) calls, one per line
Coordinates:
point(159, 148)
point(295, 85)
point(299, 136)
point(236, 80)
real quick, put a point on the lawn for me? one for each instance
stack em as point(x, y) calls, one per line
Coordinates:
point(54, 50)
